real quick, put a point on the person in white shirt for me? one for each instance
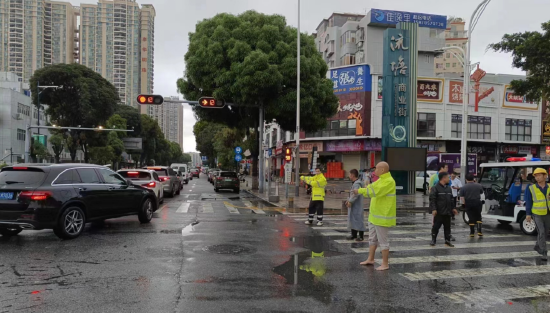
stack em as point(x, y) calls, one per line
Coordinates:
point(456, 184)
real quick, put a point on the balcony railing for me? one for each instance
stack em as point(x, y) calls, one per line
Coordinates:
point(456, 34)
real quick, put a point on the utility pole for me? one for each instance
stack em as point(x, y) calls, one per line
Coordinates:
point(261, 178)
point(297, 135)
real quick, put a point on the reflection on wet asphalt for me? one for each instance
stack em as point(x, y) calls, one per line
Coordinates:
point(211, 252)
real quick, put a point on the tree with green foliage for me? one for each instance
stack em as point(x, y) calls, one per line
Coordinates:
point(102, 155)
point(205, 133)
point(38, 151)
point(132, 117)
point(186, 158)
point(86, 99)
point(530, 53)
point(225, 141)
point(250, 60)
point(58, 144)
point(150, 134)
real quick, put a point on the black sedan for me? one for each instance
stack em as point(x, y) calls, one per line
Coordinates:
point(64, 197)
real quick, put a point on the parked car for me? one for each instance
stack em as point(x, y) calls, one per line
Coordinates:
point(214, 175)
point(227, 180)
point(210, 174)
point(195, 172)
point(169, 179)
point(420, 179)
point(64, 197)
point(145, 178)
point(184, 169)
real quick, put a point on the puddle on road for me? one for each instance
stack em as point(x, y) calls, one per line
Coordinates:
point(229, 249)
point(305, 271)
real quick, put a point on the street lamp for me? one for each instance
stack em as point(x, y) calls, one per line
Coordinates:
point(466, 87)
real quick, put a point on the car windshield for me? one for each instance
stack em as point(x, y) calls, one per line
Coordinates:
point(228, 174)
point(23, 176)
point(160, 171)
point(135, 175)
point(500, 176)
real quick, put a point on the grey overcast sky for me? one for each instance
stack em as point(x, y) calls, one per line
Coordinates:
point(176, 18)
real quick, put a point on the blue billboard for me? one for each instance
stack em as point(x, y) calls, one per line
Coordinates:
point(355, 78)
point(388, 17)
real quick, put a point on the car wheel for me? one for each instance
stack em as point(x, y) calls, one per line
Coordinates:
point(465, 217)
point(171, 193)
point(237, 190)
point(504, 222)
point(178, 192)
point(71, 223)
point(216, 189)
point(146, 212)
point(527, 228)
point(8, 232)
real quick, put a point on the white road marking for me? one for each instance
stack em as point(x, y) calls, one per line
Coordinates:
point(441, 246)
point(249, 205)
point(184, 207)
point(466, 257)
point(478, 272)
point(490, 297)
point(207, 208)
point(232, 210)
point(424, 238)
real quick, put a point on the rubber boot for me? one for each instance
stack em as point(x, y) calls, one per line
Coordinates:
point(433, 240)
point(544, 255)
point(448, 243)
point(479, 232)
point(472, 230)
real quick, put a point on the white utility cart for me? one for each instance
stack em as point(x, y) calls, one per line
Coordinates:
point(504, 185)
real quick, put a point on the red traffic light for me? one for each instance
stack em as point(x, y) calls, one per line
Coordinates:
point(288, 154)
point(150, 99)
point(210, 102)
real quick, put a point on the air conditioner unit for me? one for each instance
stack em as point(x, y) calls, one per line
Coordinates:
point(18, 116)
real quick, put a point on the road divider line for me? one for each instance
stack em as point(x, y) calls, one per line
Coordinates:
point(249, 205)
point(441, 246)
point(488, 298)
point(477, 272)
point(184, 208)
point(466, 257)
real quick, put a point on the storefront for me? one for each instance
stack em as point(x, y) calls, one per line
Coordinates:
point(306, 148)
point(510, 151)
point(486, 152)
point(356, 154)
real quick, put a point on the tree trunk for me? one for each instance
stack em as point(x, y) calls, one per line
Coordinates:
point(57, 159)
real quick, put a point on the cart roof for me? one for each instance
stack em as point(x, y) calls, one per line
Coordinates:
point(517, 164)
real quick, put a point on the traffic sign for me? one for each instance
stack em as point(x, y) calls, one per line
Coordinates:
point(150, 99)
point(288, 173)
point(204, 158)
point(211, 103)
point(238, 150)
point(238, 158)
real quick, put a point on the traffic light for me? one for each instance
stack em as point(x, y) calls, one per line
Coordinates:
point(210, 102)
point(150, 99)
point(288, 155)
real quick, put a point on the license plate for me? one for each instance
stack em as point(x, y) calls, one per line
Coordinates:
point(228, 180)
point(6, 195)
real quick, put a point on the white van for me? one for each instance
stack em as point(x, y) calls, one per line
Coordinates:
point(184, 169)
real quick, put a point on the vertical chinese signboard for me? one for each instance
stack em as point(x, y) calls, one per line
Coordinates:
point(399, 93)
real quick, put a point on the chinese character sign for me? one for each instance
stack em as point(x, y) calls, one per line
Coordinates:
point(422, 19)
point(512, 100)
point(396, 92)
point(456, 93)
point(350, 79)
point(429, 90)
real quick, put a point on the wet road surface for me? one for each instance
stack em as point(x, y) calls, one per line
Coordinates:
point(213, 252)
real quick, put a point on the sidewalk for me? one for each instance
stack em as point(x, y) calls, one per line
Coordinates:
point(336, 193)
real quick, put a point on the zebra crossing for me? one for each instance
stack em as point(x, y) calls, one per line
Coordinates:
point(506, 255)
point(193, 206)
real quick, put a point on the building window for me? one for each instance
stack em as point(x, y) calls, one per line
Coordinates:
point(479, 127)
point(348, 37)
point(21, 134)
point(347, 59)
point(454, 64)
point(337, 128)
point(439, 65)
point(426, 125)
point(448, 55)
point(518, 130)
point(447, 65)
point(23, 109)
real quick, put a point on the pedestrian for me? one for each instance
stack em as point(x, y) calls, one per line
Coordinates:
point(355, 208)
point(470, 197)
point(537, 207)
point(318, 184)
point(441, 205)
point(456, 184)
point(443, 168)
point(382, 213)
